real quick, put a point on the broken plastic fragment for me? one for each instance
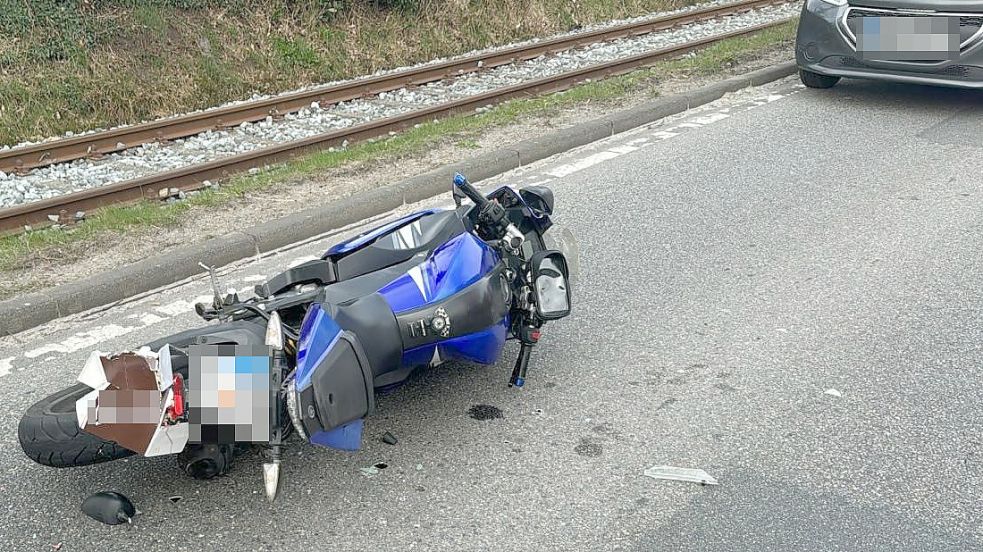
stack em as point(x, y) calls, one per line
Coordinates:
point(93, 373)
point(691, 475)
point(833, 392)
point(110, 507)
point(389, 439)
point(370, 471)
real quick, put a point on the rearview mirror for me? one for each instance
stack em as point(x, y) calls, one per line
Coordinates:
point(551, 291)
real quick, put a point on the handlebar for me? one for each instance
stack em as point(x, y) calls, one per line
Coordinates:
point(491, 215)
point(469, 190)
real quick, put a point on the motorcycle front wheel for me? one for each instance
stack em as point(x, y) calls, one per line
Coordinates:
point(50, 435)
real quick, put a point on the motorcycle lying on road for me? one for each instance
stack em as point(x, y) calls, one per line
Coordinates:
point(307, 354)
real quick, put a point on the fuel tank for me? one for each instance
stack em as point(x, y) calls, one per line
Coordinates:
point(452, 305)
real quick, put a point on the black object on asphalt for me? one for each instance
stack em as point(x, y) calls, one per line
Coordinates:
point(389, 438)
point(109, 507)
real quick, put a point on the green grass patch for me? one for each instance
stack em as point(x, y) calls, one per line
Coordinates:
point(16, 251)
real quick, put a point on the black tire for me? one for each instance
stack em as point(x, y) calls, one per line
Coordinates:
point(49, 433)
point(815, 80)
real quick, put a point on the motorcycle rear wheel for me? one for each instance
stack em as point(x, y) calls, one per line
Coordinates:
point(49, 433)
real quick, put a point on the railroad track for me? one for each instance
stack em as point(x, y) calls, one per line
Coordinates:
point(23, 159)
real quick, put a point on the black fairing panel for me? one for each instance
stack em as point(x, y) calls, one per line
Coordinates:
point(423, 235)
point(371, 318)
point(239, 332)
point(341, 388)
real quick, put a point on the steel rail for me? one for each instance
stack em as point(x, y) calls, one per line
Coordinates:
point(191, 177)
point(22, 159)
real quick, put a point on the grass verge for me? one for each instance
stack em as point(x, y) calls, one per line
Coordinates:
point(23, 250)
point(74, 65)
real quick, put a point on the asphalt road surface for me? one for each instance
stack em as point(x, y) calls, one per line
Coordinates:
point(740, 263)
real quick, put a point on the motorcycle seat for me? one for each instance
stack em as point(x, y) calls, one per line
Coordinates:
point(393, 243)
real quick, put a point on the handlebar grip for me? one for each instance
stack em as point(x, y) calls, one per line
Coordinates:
point(469, 190)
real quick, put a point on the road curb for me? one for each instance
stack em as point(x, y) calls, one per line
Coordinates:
point(33, 309)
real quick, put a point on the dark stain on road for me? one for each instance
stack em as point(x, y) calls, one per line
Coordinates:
point(588, 449)
point(485, 412)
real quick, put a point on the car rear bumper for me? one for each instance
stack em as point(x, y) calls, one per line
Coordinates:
point(824, 45)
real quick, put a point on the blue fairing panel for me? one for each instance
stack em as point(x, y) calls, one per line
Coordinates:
point(318, 334)
point(482, 347)
point(333, 382)
point(374, 234)
point(451, 268)
point(345, 437)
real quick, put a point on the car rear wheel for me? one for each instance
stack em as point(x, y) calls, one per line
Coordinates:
point(815, 80)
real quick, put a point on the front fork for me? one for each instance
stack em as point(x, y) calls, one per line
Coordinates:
point(271, 469)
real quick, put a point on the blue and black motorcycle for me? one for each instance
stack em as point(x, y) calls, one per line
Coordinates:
point(307, 354)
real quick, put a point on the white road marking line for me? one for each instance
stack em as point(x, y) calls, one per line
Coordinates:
point(175, 308)
point(82, 339)
point(664, 134)
point(710, 118)
point(589, 161)
point(5, 365)
point(621, 150)
point(150, 318)
point(302, 260)
point(110, 331)
point(254, 278)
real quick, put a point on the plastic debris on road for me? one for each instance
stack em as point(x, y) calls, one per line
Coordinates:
point(833, 392)
point(691, 475)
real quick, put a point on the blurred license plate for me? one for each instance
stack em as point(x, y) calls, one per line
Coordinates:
point(909, 38)
point(231, 398)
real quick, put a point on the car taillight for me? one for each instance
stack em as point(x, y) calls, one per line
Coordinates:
point(176, 410)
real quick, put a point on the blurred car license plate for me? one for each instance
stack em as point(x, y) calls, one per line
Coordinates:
point(909, 38)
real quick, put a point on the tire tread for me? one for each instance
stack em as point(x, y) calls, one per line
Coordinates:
point(52, 438)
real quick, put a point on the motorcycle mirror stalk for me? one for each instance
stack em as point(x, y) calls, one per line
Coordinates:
point(216, 294)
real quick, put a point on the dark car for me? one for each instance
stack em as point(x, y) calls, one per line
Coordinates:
point(937, 42)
